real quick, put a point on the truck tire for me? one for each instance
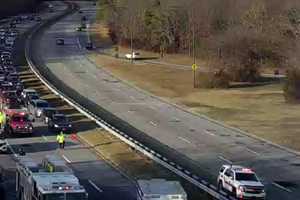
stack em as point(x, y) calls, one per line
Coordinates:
point(220, 186)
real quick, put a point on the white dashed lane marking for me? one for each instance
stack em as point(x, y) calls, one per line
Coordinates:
point(225, 159)
point(281, 187)
point(185, 140)
point(95, 186)
point(66, 159)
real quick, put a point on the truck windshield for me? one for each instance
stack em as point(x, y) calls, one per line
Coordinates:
point(42, 105)
point(246, 177)
point(67, 196)
point(20, 119)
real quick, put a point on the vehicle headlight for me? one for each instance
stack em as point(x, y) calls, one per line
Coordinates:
point(70, 125)
point(241, 189)
point(55, 125)
point(30, 127)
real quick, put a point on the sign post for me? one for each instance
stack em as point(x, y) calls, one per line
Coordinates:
point(194, 68)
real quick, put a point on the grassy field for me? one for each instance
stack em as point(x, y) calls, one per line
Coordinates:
point(261, 111)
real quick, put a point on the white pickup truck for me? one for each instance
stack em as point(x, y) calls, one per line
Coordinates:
point(133, 55)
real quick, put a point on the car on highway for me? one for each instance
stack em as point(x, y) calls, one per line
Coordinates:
point(19, 123)
point(133, 55)
point(89, 46)
point(47, 114)
point(160, 189)
point(38, 19)
point(9, 97)
point(60, 41)
point(29, 98)
point(25, 95)
point(36, 107)
point(79, 29)
point(59, 122)
point(241, 182)
point(27, 92)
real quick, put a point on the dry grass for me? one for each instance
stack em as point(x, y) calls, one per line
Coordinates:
point(261, 111)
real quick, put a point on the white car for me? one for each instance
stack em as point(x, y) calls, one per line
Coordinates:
point(3, 146)
point(241, 182)
point(134, 55)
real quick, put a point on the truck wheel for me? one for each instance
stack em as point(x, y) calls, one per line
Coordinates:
point(234, 192)
point(220, 186)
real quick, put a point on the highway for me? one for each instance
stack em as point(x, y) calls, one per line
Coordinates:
point(200, 144)
point(101, 180)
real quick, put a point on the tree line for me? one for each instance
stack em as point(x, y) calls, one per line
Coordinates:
point(238, 38)
point(14, 7)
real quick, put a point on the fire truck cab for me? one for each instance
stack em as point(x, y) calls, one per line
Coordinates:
point(18, 122)
point(47, 181)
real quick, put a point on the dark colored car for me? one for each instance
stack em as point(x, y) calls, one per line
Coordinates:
point(59, 122)
point(36, 107)
point(29, 98)
point(89, 46)
point(60, 41)
point(47, 114)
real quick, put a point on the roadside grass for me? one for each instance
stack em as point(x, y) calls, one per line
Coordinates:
point(261, 110)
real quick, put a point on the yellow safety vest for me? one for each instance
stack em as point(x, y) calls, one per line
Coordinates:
point(60, 138)
point(1, 118)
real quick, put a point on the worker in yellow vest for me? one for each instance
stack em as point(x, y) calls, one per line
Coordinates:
point(2, 119)
point(60, 138)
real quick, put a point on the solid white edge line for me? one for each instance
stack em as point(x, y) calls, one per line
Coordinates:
point(66, 159)
point(254, 152)
point(281, 187)
point(95, 186)
point(11, 149)
point(45, 138)
point(152, 123)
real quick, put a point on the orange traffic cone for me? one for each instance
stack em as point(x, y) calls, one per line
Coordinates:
point(74, 136)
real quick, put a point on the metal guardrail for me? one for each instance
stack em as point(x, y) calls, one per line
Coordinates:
point(83, 104)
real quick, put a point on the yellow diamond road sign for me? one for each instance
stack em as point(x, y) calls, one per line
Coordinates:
point(194, 67)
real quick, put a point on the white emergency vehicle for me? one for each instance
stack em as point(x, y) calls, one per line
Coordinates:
point(51, 180)
point(160, 189)
point(240, 181)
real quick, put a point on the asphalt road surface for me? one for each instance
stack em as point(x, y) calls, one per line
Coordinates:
point(206, 144)
point(100, 179)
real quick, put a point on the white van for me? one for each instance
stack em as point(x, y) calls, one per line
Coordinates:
point(160, 189)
